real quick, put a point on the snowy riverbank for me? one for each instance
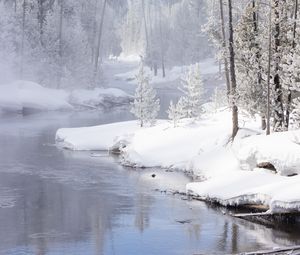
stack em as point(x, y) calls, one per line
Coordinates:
point(203, 148)
point(26, 96)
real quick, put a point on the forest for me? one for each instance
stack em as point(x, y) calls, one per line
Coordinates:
point(149, 127)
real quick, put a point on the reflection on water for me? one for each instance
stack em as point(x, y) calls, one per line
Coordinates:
point(63, 202)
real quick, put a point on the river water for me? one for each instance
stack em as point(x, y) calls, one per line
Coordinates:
point(62, 202)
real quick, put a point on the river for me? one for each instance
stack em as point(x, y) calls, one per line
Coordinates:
point(62, 202)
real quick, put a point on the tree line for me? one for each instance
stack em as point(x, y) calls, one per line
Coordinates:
point(258, 44)
point(63, 43)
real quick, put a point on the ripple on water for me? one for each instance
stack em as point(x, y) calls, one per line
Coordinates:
point(8, 197)
point(51, 234)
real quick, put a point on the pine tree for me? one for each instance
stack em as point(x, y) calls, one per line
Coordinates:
point(176, 112)
point(145, 106)
point(193, 92)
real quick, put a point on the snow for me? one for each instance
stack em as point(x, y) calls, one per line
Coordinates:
point(129, 58)
point(207, 67)
point(280, 149)
point(203, 147)
point(279, 193)
point(95, 138)
point(21, 95)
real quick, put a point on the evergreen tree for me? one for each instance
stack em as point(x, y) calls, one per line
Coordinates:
point(250, 90)
point(176, 112)
point(145, 106)
point(193, 92)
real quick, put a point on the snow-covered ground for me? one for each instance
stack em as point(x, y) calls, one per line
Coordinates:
point(208, 66)
point(203, 147)
point(22, 96)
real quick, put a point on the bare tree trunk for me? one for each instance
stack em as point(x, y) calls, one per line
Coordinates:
point(279, 114)
point(235, 121)
point(145, 25)
point(94, 32)
point(23, 39)
point(258, 57)
point(289, 99)
point(15, 6)
point(97, 53)
point(224, 47)
point(150, 37)
point(60, 51)
point(268, 129)
point(161, 45)
point(41, 19)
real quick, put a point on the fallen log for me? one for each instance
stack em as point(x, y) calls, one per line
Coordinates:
point(281, 250)
point(269, 219)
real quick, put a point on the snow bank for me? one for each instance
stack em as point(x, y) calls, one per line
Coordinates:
point(204, 148)
point(100, 97)
point(280, 149)
point(279, 193)
point(94, 138)
point(197, 146)
point(24, 95)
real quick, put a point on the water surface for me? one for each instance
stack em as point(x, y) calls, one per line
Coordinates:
point(61, 202)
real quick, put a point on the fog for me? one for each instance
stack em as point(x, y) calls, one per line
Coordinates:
point(64, 43)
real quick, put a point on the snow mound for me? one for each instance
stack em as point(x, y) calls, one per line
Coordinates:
point(25, 95)
point(199, 146)
point(280, 149)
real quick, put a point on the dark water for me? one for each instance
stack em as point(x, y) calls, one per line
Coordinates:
point(62, 202)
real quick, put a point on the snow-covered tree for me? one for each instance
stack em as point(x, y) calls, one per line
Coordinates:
point(292, 68)
point(250, 90)
point(176, 112)
point(193, 92)
point(219, 98)
point(145, 106)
